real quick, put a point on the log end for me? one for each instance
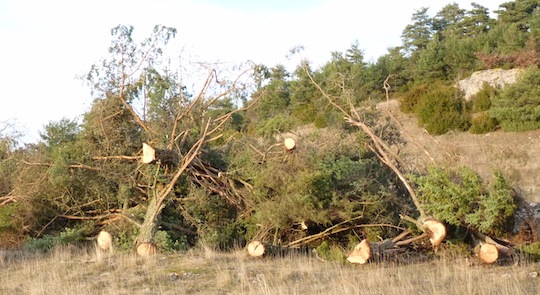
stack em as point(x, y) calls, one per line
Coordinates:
point(149, 154)
point(488, 253)
point(435, 230)
point(146, 249)
point(256, 249)
point(289, 144)
point(361, 253)
point(104, 240)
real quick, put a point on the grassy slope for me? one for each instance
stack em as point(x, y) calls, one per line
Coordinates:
point(513, 153)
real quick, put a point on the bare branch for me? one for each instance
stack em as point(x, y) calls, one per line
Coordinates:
point(381, 149)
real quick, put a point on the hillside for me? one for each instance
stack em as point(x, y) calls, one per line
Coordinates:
point(513, 153)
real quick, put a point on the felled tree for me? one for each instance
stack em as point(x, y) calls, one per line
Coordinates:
point(431, 226)
point(173, 129)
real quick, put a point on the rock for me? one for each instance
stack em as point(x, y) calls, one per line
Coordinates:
point(526, 217)
point(494, 77)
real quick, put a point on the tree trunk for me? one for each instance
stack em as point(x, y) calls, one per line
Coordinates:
point(149, 226)
point(259, 249)
point(489, 251)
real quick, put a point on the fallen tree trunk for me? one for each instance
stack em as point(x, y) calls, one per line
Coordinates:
point(490, 251)
point(257, 248)
point(367, 251)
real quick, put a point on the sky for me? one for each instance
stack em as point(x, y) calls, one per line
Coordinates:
point(46, 45)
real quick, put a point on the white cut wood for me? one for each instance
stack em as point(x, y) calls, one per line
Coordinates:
point(149, 154)
point(289, 143)
point(361, 253)
point(436, 231)
point(256, 248)
point(146, 249)
point(104, 240)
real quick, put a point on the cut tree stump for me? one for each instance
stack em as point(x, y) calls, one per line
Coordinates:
point(289, 144)
point(361, 253)
point(104, 241)
point(436, 231)
point(146, 249)
point(488, 253)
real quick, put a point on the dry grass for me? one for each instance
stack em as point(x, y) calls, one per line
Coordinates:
point(206, 272)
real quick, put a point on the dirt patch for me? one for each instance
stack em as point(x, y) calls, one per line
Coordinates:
point(513, 153)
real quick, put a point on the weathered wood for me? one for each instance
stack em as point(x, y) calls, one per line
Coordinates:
point(367, 251)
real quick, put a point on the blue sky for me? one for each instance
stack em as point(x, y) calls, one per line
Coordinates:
point(46, 44)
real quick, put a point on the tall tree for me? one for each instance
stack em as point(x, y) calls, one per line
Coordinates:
point(477, 21)
point(448, 21)
point(416, 35)
point(518, 12)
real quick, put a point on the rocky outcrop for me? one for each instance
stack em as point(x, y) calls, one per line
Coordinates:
point(494, 77)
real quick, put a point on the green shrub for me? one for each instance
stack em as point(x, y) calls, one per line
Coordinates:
point(483, 123)
point(441, 110)
point(330, 252)
point(412, 97)
point(531, 251)
point(69, 236)
point(481, 101)
point(460, 198)
point(274, 125)
point(517, 107)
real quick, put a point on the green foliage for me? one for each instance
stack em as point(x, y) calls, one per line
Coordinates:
point(531, 251)
point(481, 101)
point(214, 219)
point(483, 123)
point(460, 198)
point(517, 107)
point(277, 124)
point(82, 169)
point(440, 110)
point(125, 238)
point(69, 236)
point(416, 36)
point(412, 98)
point(330, 252)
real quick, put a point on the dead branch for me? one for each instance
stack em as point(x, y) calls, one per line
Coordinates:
point(381, 149)
point(101, 217)
point(106, 158)
point(336, 229)
point(130, 108)
point(7, 199)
